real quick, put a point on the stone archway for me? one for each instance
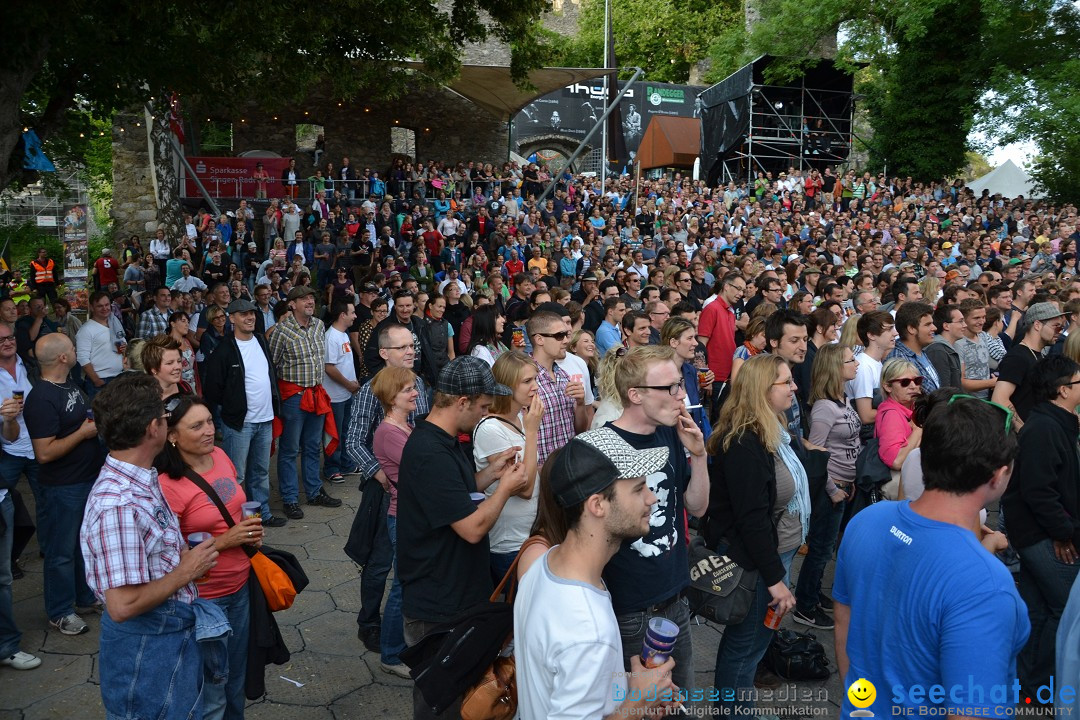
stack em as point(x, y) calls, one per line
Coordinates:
point(552, 149)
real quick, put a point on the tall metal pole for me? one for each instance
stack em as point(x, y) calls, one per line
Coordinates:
point(638, 72)
point(607, 64)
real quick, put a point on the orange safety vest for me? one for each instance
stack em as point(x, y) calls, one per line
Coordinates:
point(43, 274)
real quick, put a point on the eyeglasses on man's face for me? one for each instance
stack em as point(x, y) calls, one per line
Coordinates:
point(672, 389)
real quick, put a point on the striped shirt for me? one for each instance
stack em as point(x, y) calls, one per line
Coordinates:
point(557, 424)
point(298, 353)
point(129, 534)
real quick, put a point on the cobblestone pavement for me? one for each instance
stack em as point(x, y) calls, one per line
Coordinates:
point(341, 680)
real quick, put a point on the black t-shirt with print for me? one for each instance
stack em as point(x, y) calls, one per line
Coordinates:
point(58, 411)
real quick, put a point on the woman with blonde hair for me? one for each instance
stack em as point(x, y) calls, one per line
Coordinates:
point(849, 334)
point(609, 406)
point(834, 425)
point(760, 511)
point(583, 344)
point(513, 421)
point(931, 289)
point(901, 383)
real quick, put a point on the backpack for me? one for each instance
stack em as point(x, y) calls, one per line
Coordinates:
point(797, 656)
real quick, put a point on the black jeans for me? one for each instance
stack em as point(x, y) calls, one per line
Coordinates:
point(373, 577)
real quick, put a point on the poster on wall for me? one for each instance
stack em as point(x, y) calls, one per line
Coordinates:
point(75, 256)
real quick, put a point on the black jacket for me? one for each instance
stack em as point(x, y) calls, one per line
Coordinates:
point(946, 361)
point(224, 381)
point(742, 495)
point(1043, 497)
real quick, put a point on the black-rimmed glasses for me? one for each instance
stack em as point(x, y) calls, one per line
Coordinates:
point(672, 389)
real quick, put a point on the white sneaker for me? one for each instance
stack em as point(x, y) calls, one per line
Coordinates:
point(21, 661)
point(70, 625)
point(400, 670)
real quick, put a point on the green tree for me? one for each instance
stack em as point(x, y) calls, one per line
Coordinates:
point(665, 37)
point(88, 58)
point(937, 69)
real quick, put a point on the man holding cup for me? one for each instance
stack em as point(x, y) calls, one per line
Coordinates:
point(565, 411)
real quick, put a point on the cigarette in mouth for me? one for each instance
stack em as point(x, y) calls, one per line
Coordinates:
point(692, 407)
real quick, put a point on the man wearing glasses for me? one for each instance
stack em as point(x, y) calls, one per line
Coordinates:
point(716, 329)
point(646, 578)
point(396, 349)
point(565, 411)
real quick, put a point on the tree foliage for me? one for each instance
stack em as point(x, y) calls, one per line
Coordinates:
point(665, 37)
point(91, 57)
point(939, 68)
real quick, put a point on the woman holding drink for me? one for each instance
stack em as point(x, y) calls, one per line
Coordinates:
point(190, 455)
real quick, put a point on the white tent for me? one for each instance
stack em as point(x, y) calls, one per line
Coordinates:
point(1007, 179)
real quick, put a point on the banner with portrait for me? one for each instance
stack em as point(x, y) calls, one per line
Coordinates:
point(76, 257)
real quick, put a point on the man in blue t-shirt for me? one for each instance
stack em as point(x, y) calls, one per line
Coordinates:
point(647, 576)
point(924, 612)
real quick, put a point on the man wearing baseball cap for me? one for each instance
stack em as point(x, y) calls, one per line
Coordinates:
point(1040, 328)
point(567, 643)
point(443, 551)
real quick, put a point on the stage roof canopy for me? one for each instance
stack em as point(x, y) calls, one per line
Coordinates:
point(670, 141)
point(491, 87)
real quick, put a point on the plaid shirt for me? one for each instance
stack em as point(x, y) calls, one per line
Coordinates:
point(557, 425)
point(298, 354)
point(129, 535)
point(153, 323)
point(367, 414)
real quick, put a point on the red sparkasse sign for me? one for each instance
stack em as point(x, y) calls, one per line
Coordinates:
point(234, 177)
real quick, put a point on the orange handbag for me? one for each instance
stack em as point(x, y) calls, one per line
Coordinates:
point(494, 697)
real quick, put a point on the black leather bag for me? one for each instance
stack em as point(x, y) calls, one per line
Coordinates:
point(797, 656)
point(720, 590)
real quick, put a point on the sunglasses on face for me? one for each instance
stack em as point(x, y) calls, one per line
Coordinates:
point(560, 336)
point(907, 382)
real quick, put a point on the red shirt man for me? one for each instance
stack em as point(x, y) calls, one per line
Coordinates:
point(716, 328)
point(106, 268)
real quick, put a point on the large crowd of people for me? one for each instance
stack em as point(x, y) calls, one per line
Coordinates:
point(595, 378)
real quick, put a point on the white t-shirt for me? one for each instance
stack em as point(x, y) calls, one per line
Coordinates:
point(575, 365)
point(260, 405)
point(338, 354)
point(512, 528)
point(95, 344)
point(567, 646)
point(867, 378)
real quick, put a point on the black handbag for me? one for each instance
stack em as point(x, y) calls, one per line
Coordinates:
point(797, 656)
point(720, 590)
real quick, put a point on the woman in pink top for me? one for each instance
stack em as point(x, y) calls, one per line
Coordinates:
point(897, 436)
point(395, 389)
point(190, 447)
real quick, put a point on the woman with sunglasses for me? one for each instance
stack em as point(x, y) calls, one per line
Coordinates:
point(897, 435)
point(189, 450)
point(760, 511)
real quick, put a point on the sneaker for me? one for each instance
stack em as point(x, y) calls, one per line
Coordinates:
point(275, 521)
point(815, 619)
point(70, 625)
point(94, 609)
point(336, 478)
point(324, 500)
point(293, 511)
point(402, 671)
point(825, 602)
point(371, 637)
point(21, 661)
point(355, 471)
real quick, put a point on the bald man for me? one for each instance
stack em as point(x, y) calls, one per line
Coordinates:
point(69, 457)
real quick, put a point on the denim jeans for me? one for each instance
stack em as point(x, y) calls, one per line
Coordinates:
point(249, 450)
point(11, 467)
point(302, 435)
point(1045, 583)
point(825, 517)
point(415, 630)
point(92, 389)
point(373, 577)
point(151, 665)
point(632, 626)
point(500, 565)
point(58, 533)
point(393, 626)
point(9, 633)
point(339, 461)
point(227, 702)
point(743, 645)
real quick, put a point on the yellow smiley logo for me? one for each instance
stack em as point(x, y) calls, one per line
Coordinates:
point(862, 693)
